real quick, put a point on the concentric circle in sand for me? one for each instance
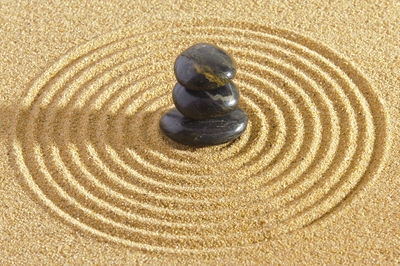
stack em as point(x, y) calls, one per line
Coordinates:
point(88, 145)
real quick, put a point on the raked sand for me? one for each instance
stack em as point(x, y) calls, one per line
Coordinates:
point(88, 177)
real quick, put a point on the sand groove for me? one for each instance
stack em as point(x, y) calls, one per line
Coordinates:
point(88, 145)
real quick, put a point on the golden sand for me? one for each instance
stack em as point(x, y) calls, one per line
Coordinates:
point(87, 176)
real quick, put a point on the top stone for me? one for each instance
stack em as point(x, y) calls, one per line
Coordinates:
point(204, 67)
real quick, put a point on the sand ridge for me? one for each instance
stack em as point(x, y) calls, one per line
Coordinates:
point(87, 141)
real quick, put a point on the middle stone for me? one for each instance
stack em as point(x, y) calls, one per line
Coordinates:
point(205, 104)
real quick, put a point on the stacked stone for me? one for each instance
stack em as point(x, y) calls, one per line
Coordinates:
point(205, 98)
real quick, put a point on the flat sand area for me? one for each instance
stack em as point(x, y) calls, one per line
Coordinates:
point(86, 175)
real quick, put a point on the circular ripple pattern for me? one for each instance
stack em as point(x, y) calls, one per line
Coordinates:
point(88, 145)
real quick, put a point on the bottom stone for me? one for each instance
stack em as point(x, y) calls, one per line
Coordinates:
point(212, 131)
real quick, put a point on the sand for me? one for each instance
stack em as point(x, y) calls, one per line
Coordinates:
point(87, 176)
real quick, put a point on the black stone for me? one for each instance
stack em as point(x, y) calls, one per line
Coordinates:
point(206, 132)
point(204, 67)
point(205, 104)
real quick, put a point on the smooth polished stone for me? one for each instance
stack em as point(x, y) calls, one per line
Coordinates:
point(206, 132)
point(204, 67)
point(205, 104)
